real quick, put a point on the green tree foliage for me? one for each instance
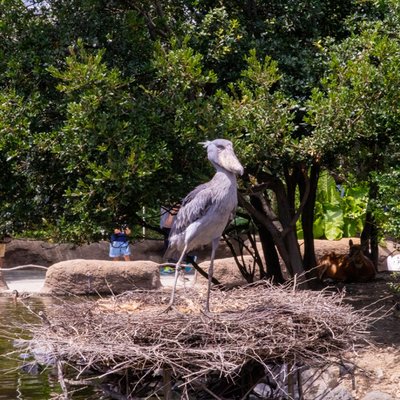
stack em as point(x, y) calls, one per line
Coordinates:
point(259, 116)
point(355, 113)
point(104, 103)
point(262, 119)
point(112, 160)
point(14, 157)
point(386, 205)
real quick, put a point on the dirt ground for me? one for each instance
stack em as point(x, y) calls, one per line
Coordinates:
point(377, 363)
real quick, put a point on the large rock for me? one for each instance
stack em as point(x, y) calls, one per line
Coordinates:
point(226, 271)
point(80, 277)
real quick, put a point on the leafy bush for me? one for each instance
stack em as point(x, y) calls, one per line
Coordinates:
point(386, 205)
point(339, 209)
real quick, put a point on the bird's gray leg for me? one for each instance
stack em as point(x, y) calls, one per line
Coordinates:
point(214, 245)
point(177, 269)
point(194, 279)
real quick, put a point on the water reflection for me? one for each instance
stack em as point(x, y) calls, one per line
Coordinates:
point(20, 376)
point(15, 383)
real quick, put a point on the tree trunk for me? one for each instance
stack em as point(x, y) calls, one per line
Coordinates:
point(282, 228)
point(270, 254)
point(307, 219)
point(369, 239)
point(290, 239)
point(369, 235)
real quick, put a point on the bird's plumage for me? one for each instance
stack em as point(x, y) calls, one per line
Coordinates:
point(207, 210)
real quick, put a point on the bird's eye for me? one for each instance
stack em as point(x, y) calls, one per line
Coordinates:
point(220, 146)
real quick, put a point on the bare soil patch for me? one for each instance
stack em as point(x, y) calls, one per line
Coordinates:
point(378, 364)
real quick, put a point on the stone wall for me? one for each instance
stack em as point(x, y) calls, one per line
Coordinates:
point(24, 252)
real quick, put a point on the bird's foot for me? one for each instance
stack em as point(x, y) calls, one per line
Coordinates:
point(169, 308)
point(207, 313)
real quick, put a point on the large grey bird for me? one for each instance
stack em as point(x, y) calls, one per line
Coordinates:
point(207, 210)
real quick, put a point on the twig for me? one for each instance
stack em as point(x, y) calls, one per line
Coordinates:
point(61, 379)
point(126, 336)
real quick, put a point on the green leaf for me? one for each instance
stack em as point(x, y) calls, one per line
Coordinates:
point(333, 219)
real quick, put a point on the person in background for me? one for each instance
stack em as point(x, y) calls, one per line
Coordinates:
point(119, 243)
point(167, 218)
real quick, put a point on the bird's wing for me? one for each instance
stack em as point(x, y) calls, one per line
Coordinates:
point(194, 206)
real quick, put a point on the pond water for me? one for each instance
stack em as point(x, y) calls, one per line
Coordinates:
point(17, 380)
point(20, 377)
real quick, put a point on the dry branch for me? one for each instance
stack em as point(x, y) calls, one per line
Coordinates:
point(259, 324)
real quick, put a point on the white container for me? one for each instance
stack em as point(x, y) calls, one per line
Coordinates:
point(393, 263)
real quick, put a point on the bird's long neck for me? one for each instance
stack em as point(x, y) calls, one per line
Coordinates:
point(225, 177)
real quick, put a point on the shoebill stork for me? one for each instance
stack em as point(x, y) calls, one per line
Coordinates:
point(207, 210)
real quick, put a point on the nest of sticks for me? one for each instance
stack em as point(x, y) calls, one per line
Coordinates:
point(128, 343)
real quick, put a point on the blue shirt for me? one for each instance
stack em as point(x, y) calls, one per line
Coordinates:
point(119, 237)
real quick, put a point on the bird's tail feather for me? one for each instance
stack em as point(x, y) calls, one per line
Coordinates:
point(171, 254)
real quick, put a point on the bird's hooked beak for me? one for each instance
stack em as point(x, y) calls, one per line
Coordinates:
point(230, 162)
